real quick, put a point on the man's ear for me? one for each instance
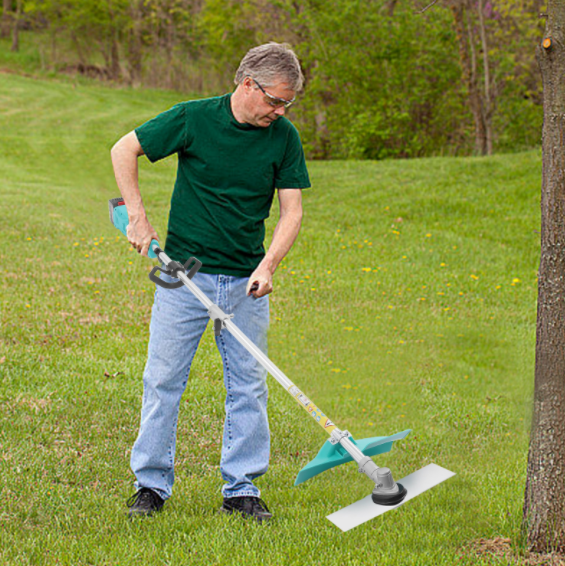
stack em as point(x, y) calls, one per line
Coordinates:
point(248, 84)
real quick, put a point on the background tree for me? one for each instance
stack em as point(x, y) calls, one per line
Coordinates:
point(382, 80)
point(544, 506)
point(6, 19)
point(16, 23)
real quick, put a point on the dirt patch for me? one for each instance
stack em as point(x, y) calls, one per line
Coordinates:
point(502, 548)
point(86, 70)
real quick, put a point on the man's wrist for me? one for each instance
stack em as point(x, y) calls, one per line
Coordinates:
point(137, 216)
point(270, 264)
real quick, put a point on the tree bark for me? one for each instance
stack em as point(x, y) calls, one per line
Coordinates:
point(135, 47)
point(16, 27)
point(488, 106)
point(6, 21)
point(115, 71)
point(544, 503)
point(469, 69)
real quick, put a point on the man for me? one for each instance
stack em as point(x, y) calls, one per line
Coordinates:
point(233, 151)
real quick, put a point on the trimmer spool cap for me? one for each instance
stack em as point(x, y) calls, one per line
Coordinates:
point(387, 491)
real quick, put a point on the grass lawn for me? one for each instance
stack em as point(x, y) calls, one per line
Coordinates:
point(408, 301)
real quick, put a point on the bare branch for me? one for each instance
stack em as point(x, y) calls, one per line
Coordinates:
point(427, 7)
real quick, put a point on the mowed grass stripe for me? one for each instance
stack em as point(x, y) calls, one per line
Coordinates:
point(408, 301)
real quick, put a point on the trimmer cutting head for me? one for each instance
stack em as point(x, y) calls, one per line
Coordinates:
point(387, 491)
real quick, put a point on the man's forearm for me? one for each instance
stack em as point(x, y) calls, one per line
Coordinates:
point(284, 237)
point(124, 160)
point(125, 153)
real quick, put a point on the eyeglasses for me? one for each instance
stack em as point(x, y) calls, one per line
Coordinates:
point(274, 101)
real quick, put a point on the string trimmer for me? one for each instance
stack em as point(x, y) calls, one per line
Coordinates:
point(341, 446)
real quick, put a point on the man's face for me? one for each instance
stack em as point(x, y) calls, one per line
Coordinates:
point(262, 109)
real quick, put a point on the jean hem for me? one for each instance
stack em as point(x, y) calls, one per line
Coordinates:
point(242, 494)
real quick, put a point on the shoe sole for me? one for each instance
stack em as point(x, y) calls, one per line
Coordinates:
point(142, 514)
point(244, 515)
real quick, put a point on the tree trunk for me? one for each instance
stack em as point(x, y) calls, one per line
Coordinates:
point(469, 69)
point(488, 106)
point(544, 503)
point(6, 21)
point(135, 46)
point(80, 52)
point(16, 28)
point(115, 70)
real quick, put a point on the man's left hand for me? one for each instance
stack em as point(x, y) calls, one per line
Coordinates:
point(260, 282)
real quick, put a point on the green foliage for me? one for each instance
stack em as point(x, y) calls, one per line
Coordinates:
point(382, 80)
point(381, 86)
point(516, 29)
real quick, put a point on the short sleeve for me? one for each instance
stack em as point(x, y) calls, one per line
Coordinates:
point(292, 172)
point(165, 134)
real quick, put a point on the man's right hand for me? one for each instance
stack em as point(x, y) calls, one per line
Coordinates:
point(140, 234)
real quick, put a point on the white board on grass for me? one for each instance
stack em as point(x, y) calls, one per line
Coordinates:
point(364, 510)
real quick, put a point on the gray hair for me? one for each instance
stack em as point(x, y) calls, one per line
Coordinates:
point(269, 64)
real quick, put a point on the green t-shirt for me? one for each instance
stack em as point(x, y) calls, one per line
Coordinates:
point(226, 180)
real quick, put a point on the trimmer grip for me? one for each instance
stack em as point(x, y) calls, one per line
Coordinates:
point(120, 219)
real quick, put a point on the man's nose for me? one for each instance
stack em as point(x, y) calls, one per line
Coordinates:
point(280, 111)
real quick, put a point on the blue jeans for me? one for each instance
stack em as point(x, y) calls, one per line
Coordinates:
point(177, 323)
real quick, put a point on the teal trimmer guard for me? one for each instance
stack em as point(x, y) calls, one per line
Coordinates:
point(331, 455)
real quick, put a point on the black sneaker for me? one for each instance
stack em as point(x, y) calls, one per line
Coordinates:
point(248, 507)
point(144, 503)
